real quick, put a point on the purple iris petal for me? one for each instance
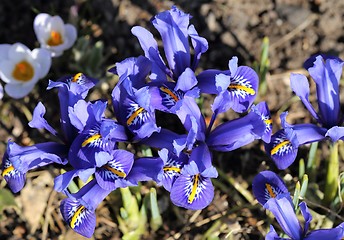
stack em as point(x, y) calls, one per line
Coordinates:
point(62, 181)
point(199, 44)
point(201, 156)
point(327, 76)
point(299, 84)
point(172, 26)
point(268, 185)
point(306, 215)
point(17, 160)
point(263, 111)
point(336, 233)
point(144, 169)
point(38, 121)
point(78, 210)
point(283, 211)
point(193, 192)
point(118, 167)
point(207, 80)
point(335, 133)
point(172, 167)
point(162, 139)
point(236, 133)
point(150, 48)
point(272, 235)
point(186, 81)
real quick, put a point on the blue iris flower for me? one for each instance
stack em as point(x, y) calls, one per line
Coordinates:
point(326, 74)
point(272, 194)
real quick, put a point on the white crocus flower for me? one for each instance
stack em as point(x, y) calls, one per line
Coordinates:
point(21, 68)
point(53, 34)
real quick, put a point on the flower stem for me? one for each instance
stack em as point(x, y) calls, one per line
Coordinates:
point(332, 175)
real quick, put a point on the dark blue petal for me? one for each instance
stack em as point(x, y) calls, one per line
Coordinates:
point(199, 44)
point(38, 121)
point(186, 80)
point(306, 215)
point(268, 185)
point(336, 233)
point(263, 111)
point(14, 178)
point(335, 133)
point(206, 80)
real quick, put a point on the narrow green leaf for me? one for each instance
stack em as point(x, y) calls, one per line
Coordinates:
point(156, 220)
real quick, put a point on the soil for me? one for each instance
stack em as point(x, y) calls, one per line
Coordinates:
point(296, 29)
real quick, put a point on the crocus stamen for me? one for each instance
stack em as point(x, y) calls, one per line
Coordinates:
point(270, 190)
point(115, 171)
point(170, 93)
point(7, 170)
point(91, 139)
point(76, 215)
point(23, 71)
point(55, 39)
point(279, 146)
point(242, 88)
point(174, 169)
point(135, 115)
point(194, 189)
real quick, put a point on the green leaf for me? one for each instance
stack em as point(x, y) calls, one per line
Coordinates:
point(156, 220)
point(7, 200)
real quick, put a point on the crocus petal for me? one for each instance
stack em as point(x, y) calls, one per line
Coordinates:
point(193, 192)
point(19, 90)
point(42, 56)
point(38, 121)
point(236, 133)
point(266, 185)
point(4, 50)
point(326, 76)
point(283, 211)
point(299, 84)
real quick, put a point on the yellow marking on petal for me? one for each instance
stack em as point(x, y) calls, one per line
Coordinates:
point(240, 87)
point(115, 171)
point(268, 121)
point(55, 39)
point(170, 93)
point(23, 71)
point(194, 189)
point(76, 77)
point(270, 191)
point(278, 146)
point(175, 169)
point(134, 115)
point(7, 170)
point(91, 139)
point(76, 215)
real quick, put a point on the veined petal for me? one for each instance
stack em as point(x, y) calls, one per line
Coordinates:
point(14, 178)
point(117, 168)
point(299, 84)
point(266, 185)
point(283, 210)
point(172, 167)
point(283, 148)
point(243, 88)
point(193, 192)
point(263, 111)
point(78, 217)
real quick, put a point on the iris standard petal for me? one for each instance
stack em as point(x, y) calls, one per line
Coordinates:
point(326, 76)
point(299, 84)
point(266, 185)
point(306, 215)
point(199, 44)
point(193, 192)
point(172, 26)
point(283, 210)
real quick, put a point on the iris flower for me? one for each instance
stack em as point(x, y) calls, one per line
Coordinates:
point(236, 88)
point(53, 34)
point(326, 74)
point(21, 68)
point(18, 160)
point(271, 192)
